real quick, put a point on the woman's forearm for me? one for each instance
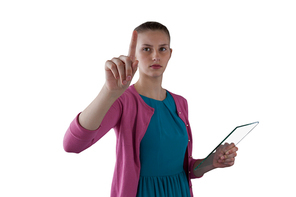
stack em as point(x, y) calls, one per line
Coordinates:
point(92, 116)
point(205, 167)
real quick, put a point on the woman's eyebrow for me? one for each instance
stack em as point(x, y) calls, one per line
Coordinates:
point(148, 45)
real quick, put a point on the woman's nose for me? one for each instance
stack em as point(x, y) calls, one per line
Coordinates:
point(155, 56)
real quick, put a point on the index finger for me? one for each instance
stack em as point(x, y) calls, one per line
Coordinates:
point(133, 45)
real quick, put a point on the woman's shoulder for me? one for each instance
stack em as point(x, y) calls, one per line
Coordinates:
point(178, 97)
point(130, 94)
point(131, 97)
point(130, 100)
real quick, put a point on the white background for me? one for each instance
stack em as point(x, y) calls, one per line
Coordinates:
point(232, 60)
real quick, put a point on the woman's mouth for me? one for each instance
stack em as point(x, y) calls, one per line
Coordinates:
point(156, 66)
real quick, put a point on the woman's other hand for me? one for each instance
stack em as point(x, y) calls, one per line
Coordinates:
point(225, 155)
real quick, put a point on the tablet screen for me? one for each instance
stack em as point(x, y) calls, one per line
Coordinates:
point(235, 136)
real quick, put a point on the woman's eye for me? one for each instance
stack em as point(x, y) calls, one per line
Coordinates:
point(146, 49)
point(162, 49)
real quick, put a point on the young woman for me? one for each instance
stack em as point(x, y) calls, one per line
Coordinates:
point(154, 140)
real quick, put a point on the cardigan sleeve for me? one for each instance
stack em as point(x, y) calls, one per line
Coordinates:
point(77, 138)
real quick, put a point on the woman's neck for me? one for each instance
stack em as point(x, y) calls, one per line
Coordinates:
point(151, 88)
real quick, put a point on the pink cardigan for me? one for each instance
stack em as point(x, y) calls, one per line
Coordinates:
point(130, 117)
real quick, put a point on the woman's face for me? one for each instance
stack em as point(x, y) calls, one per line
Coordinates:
point(153, 52)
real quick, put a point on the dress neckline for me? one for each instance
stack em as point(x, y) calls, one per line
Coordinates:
point(156, 99)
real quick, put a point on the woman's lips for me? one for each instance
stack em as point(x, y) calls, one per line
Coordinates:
point(156, 66)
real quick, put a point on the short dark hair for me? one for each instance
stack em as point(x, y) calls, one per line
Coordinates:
point(152, 25)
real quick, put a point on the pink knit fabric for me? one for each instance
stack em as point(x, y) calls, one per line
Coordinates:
point(130, 117)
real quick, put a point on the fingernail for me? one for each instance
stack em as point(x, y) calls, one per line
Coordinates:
point(124, 82)
point(128, 78)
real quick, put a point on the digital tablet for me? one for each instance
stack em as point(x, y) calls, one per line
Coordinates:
point(235, 136)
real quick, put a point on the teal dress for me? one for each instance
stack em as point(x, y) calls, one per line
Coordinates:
point(162, 152)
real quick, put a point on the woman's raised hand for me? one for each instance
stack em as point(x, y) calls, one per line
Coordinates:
point(120, 71)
